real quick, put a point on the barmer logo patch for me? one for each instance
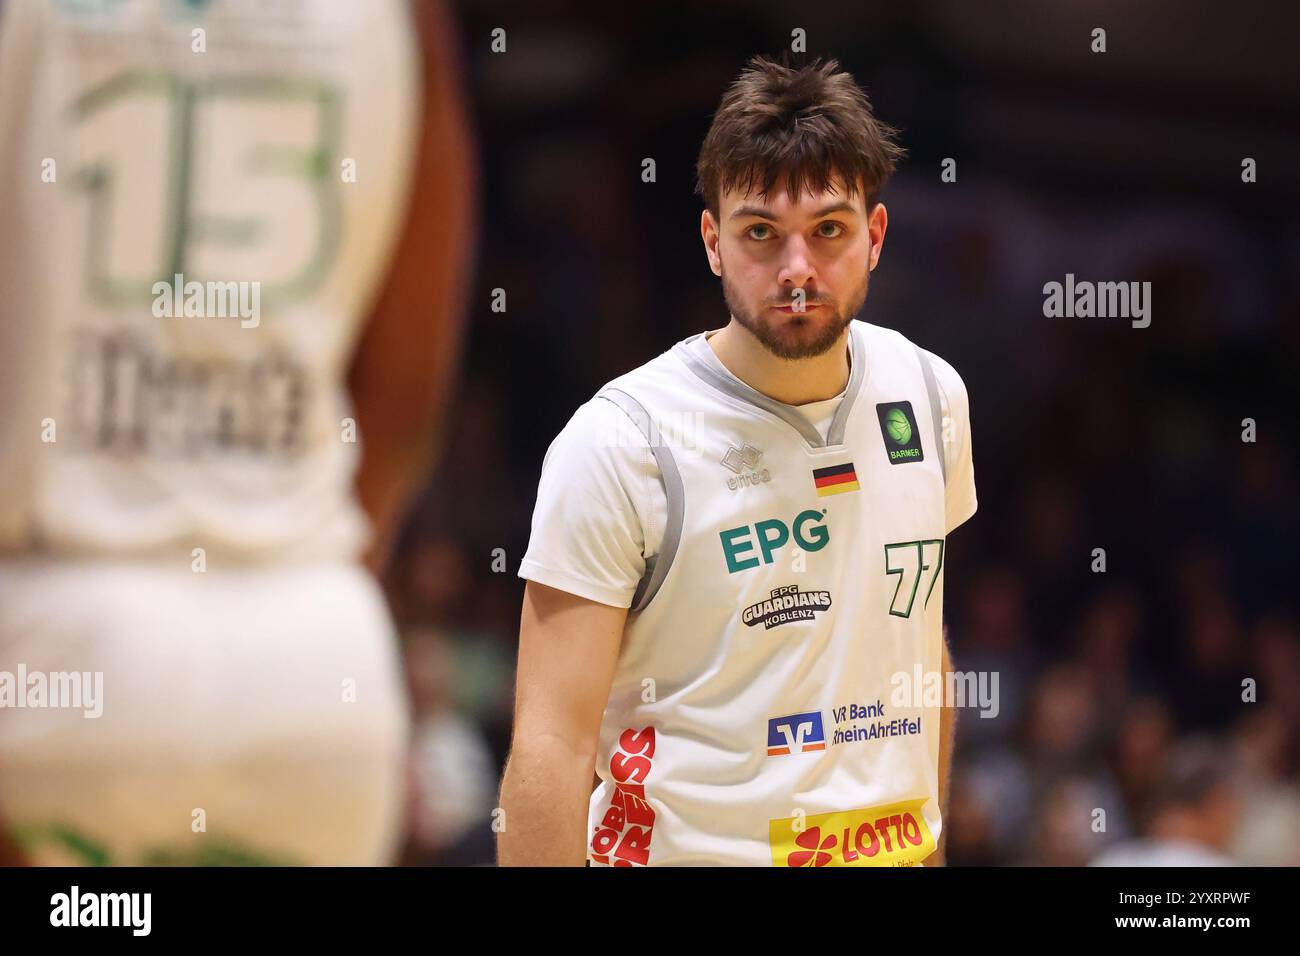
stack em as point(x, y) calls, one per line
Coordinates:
point(898, 428)
point(786, 604)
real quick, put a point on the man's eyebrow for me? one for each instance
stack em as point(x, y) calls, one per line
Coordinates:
point(763, 213)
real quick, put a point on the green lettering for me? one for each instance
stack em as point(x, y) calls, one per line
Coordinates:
point(733, 549)
point(769, 544)
point(815, 539)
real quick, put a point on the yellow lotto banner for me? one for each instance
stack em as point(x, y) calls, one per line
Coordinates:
point(891, 835)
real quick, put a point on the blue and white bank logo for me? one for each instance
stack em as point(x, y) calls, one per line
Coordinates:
point(851, 724)
point(797, 733)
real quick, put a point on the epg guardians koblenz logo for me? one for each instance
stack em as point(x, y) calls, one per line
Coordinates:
point(785, 605)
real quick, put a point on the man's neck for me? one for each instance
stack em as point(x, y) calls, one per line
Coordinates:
point(792, 381)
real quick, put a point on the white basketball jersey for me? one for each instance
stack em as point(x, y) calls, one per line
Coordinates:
point(198, 199)
point(755, 716)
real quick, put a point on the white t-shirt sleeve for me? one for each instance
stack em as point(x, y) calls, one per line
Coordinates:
point(954, 403)
point(594, 509)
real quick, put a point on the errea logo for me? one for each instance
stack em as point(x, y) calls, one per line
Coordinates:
point(743, 461)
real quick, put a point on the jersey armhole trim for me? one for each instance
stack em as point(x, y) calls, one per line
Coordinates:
point(936, 411)
point(657, 568)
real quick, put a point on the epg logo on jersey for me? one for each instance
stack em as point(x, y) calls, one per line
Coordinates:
point(797, 733)
point(892, 835)
point(624, 832)
point(898, 427)
point(785, 605)
point(770, 535)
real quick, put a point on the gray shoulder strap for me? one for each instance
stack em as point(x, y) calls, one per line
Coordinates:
point(657, 566)
point(936, 411)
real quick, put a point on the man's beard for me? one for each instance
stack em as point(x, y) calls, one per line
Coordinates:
point(832, 322)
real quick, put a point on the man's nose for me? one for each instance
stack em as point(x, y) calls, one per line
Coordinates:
point(796, 263)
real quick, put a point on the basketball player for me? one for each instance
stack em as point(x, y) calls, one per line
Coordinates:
point(737, 554)
point(185, 500)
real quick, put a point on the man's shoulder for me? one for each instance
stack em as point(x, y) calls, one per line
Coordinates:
point(613, 422)
point(943, 369)
point(597, 407)
point(664, 369)
point(600, 425)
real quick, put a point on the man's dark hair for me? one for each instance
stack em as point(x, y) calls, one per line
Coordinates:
point(809, 126)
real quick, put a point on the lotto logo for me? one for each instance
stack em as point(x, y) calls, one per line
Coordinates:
point(893, 835)
point(798, 733)
point(625, 830)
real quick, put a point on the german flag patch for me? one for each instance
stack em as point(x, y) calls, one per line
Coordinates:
point(835, 479)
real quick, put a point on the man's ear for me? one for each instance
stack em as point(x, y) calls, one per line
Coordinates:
point(710, 235)
point(877, 224)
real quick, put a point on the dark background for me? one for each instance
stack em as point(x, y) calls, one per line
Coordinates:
point(1087, 433)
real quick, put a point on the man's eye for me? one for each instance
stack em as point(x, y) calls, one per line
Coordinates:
point(750, 231)
point(839, 230)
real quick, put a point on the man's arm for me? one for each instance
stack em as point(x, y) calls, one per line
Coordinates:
point(568, 648)
point(947, 734)
point(405, 364)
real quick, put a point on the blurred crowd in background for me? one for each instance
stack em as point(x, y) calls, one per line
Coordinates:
point(1120, 691)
